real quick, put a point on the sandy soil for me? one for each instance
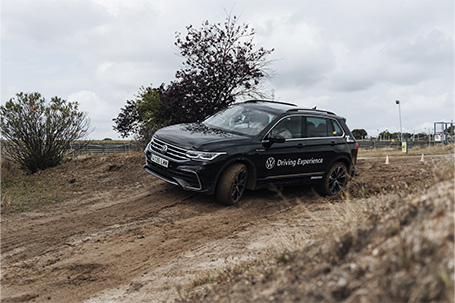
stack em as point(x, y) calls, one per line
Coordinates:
point(124, 236)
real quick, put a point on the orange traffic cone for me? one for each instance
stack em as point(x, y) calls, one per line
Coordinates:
point(387, 160)
point(422, 159)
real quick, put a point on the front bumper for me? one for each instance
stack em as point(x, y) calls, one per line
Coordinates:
point(187, 179)
point(175, 173)
point(189, 175)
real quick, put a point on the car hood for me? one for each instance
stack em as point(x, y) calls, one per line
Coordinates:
point(197, 136)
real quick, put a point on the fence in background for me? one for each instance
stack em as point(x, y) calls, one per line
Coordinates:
point(110, 148)
point(389, 144)
point(97, 148)
point(87, 148)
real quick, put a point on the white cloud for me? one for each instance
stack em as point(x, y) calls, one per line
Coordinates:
point(90, 102)
point(98, 110)
point(50, 24)
point(353, 57)
point(127, 75)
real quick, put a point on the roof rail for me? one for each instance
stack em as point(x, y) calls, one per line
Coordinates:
point(311, 110)
point(270, 101)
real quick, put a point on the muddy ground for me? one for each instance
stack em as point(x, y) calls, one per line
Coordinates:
point(121, 235)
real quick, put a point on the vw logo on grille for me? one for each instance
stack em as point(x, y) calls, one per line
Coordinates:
point(270, 163)
point(164, 149)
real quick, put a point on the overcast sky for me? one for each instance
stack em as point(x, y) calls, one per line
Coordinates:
point(353, 57)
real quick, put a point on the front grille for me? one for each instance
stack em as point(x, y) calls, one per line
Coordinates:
point(189, 178)
point(174, 152)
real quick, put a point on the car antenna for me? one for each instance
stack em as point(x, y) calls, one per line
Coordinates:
point(315, 107)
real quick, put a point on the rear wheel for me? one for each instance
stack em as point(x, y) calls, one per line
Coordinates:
point(335, 180)
point(232, 184)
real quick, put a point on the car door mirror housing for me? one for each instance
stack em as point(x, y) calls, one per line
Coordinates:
point(278, 139)
point(272, 140)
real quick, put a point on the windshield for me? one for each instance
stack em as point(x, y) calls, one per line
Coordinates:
point(240, 119)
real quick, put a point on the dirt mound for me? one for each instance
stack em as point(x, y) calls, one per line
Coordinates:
point(111, 232)
point(402, 250)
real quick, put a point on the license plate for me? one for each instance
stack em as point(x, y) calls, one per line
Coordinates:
point(160, 161)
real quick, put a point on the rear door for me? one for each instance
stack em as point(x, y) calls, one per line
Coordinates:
point(324, 141)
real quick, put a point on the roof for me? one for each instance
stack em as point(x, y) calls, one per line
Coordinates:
point(271, 106)
point(313, 110)
point(287, 107)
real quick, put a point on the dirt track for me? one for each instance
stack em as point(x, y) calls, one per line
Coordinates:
point(125, 236)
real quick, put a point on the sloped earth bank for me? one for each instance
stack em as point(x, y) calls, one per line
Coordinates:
point(121, 235)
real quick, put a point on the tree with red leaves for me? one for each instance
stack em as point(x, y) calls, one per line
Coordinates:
point(221, 64)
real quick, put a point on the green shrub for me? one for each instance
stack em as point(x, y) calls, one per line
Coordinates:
point(37, 133)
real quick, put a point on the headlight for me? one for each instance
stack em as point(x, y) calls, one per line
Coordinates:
point(200, 155)
point(148, 147)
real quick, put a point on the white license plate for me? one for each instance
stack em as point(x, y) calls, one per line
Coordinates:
point(160, 161)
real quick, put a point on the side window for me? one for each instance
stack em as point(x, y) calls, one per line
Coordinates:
point(335, 129)
point(288, 128)
point(316, 127)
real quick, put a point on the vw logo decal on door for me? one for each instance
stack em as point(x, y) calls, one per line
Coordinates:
point(270, 163)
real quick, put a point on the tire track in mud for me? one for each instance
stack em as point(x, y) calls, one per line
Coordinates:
point(108, 238)
point(35, 248)
point(109, 243)
point(107, 209)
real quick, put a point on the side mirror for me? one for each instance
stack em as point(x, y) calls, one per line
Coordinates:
point(278, 139)
point(272, 140)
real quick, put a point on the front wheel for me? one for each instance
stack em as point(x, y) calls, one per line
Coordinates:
point(335, 180)
point(232, 184)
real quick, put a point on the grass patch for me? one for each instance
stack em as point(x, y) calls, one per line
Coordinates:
point(23, 192)
point(24, 195)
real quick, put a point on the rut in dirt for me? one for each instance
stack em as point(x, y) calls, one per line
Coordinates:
point(128, 227)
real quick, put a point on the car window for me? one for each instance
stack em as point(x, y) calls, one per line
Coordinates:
point(321, 127)
point(240, 119)
point(288, 128)
point(335, 129)
point(316, 127)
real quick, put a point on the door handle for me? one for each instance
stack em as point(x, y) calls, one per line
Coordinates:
point(300, 145)
point(332, 143)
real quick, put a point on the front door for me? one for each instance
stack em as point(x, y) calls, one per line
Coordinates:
point(286, 161)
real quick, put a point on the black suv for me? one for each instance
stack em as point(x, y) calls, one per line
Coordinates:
point(254, 144)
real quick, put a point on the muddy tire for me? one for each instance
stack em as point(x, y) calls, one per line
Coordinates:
point(232, 184)
point(335, 180)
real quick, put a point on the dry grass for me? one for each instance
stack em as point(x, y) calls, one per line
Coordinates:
point(392, 247)
point(22, 192)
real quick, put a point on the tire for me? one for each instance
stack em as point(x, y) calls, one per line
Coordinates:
point(335, 180)
point(232, 184)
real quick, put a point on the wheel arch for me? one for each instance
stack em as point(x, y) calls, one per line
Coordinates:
point(252, 174)
point(333, 184)
point(346, 160)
